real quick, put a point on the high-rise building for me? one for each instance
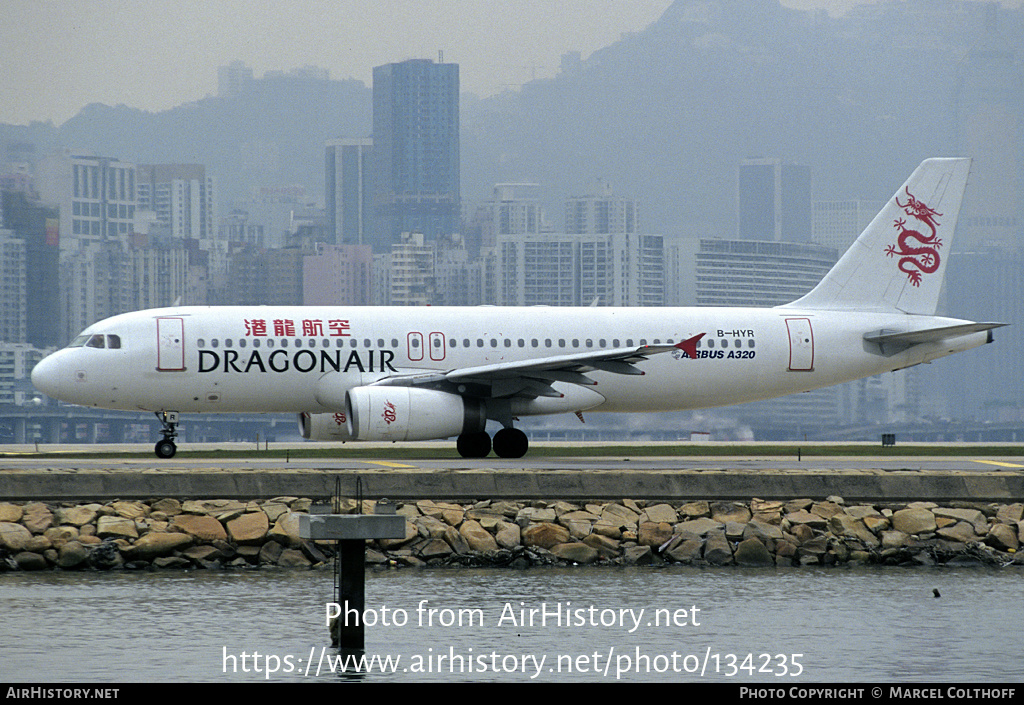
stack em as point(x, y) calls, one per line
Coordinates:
point(601, 212)
point(348, 190)
point(773, 201)
point(95, 195)
point(29, 267)
point(337, 275)
point(415, 150)
point(182, 196)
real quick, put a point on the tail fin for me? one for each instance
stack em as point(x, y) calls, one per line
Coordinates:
point(898, 262)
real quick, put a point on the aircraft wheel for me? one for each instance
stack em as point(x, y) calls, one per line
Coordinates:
point(473, 445)
point(166, 449)
point(510, 443)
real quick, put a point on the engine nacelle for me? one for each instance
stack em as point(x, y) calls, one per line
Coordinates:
point(324, 427)
point(410, 414)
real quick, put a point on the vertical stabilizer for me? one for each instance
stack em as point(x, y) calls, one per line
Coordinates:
point(899, 261)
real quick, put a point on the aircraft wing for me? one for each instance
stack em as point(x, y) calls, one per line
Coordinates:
point(533, 378)
point(892, 342)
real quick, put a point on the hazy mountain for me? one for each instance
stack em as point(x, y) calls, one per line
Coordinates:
point(664, 115)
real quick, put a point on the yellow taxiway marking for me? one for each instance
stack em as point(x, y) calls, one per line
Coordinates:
point(387, 464)
point(1000, 464)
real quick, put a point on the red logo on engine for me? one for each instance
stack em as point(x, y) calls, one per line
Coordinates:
point(389, 414)
point(914, 260)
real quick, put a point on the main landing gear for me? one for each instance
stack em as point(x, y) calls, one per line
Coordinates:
point(165, 447)
point(508, 443)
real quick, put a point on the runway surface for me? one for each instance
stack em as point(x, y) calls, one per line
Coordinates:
point(25, 475)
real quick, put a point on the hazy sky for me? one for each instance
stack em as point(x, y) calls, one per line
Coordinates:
point(59, 55)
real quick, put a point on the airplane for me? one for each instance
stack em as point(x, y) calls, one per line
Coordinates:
point(403, 374)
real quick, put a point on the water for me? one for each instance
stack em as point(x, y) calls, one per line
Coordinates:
point(835, 625)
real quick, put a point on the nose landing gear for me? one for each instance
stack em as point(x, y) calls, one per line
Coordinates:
point(165, 447)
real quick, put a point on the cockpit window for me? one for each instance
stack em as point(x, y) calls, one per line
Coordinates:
point(112, 342)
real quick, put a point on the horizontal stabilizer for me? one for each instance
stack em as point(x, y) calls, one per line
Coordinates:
point(892, 342)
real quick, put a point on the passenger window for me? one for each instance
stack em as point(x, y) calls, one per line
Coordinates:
point(227, 343)
point(214, 343)
point(201, 342)
point(547, 342)
point(241, 342)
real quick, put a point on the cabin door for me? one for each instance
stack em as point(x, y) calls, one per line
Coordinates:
point(801, 344)
point(170, 344)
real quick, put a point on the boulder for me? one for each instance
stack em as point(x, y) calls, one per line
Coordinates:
point(201, 526)
point(661, 513)
point(116, 527)
point(545, 535)
point(72, 555)
point(13, 536)
point(717, 550)
point(1003, 537)
point(507, 534)
point(914, 520)
point(652, 534)
point(700, 527)
point(155, 544)
point(36, 517)
point(9, 512)
point(477, 537)
point(249, 528)
point(576, 552)
point(752, 552)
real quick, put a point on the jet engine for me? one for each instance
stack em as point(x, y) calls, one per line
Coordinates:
point(324, 427)
point(410, 414)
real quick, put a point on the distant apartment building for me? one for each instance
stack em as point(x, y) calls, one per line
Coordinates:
point(578, 269)
point(416, 155)
point(29, 270)
point(601, 212)
point(349, 191)
point(411, 272)
point(337, 275)
point(713, 272)
point(182, 197)
point(773, 201)
point(95, 195)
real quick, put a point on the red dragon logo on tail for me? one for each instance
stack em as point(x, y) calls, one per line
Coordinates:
point(915, 260)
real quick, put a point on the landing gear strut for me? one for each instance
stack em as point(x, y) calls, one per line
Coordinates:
point(165, 447)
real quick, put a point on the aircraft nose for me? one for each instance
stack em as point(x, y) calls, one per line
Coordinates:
point(46, 377)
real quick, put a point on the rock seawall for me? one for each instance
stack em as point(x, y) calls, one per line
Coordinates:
point(169, 534)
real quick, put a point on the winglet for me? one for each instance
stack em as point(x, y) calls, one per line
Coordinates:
point(898, 262)
point(689, 346)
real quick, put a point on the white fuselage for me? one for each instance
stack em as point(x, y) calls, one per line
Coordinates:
point(272, 359)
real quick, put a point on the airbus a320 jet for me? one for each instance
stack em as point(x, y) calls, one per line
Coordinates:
point(355, 373)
